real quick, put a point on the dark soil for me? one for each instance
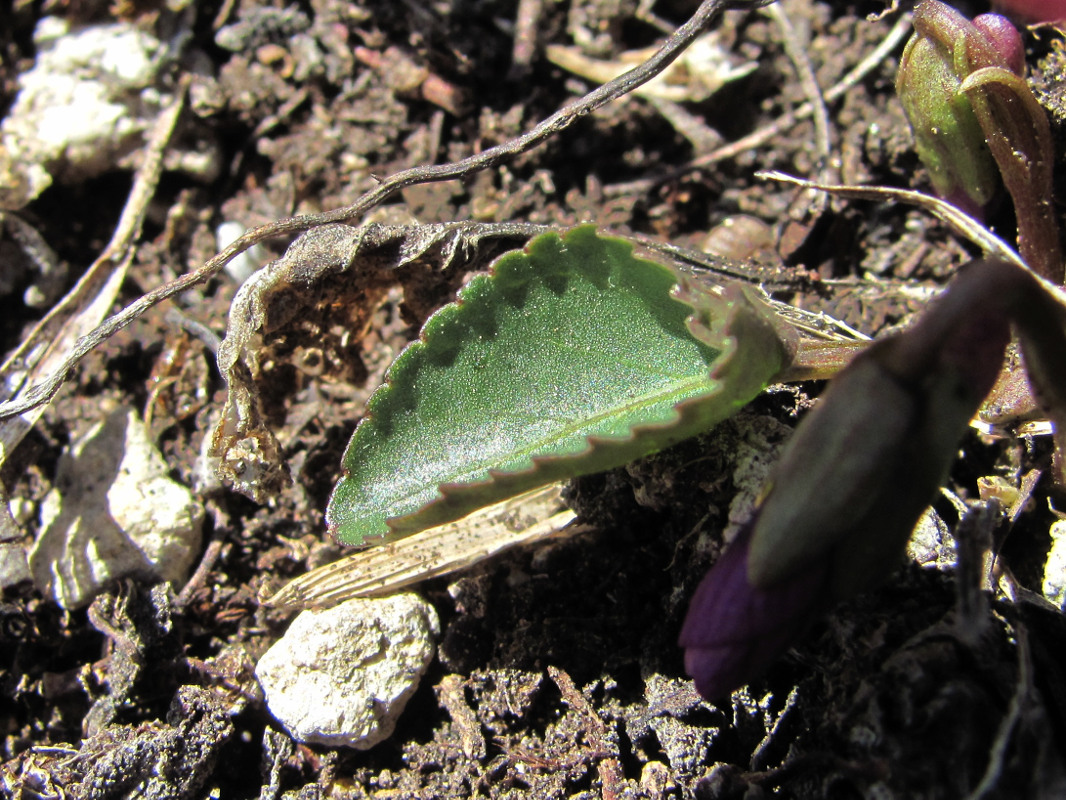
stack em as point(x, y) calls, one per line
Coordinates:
point(558, 673)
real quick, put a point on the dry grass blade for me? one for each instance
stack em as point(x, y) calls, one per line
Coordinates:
point(797, 49)
point(49, 348)
point(531, 517)
point(892, 41)
point(961, 223)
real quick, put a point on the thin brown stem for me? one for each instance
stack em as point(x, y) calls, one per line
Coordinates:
point(558, 122)
point(876, 57)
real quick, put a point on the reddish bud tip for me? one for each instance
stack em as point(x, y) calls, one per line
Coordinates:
point(1004, 39)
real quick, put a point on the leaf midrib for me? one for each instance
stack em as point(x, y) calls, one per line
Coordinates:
point(526, 453)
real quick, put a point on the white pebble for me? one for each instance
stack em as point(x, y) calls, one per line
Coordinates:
point(1055, 567)
point(342, 676)
point(81, 109)
point(241, 266)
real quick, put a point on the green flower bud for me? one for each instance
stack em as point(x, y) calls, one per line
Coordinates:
point(963, 89)
point(947, 134)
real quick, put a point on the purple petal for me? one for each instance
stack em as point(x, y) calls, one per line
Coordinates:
point(734, 632)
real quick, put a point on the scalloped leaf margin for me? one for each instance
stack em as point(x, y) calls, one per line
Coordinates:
point(570, 357)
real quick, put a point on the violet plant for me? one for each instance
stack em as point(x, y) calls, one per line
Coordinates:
point(883, 437)
point(885, 432)
point(963, 89)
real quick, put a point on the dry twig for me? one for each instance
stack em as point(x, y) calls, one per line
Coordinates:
point(558, 122)
point(73, 322)
point(876, 57)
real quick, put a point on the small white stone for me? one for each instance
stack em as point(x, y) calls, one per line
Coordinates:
point(80, 109)
point(242, 266)
point(931, 543)
point(1055, 567)
point(342, 676)
point(114, 512)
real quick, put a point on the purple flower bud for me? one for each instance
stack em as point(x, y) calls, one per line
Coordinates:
point(734, 631)
point(853, 480)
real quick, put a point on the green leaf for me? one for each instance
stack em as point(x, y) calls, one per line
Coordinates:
point(571, 357)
